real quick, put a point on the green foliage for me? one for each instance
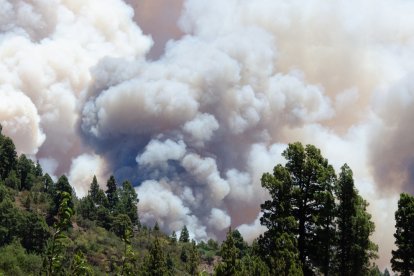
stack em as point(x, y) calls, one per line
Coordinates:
point(111, 193)
point(12, 181)
point(240, 244)
point(355, 250)
point(403, 257)
point(229, 253)
point(121, 224)
point(184, 235)
point(128, 200)
point(173, 237)
point(252, 265)
point(193, 259)
point(62, 189)
point(8, 156)
point(278, 245)
point(27, 172)
point(57, 244)
point(87, 208)
point(309, 230)
point(12, 222)
point(311, 176)
point(35, 233)
point(155, 263)
point(49, 185)
point(15, 261)
point(80, 266)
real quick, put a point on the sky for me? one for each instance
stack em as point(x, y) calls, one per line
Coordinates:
point(194, 100)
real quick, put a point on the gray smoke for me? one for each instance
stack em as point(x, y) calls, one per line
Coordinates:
point(196, 127)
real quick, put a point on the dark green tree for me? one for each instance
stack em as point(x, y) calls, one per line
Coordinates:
point(240, 244)
point(229, 264)
point(26, 170)
point(128, 202)
point(112, 193)
point(121, 224)
point(403, 257)
point(62, 186)
point(12, 222)
point(253, 265)
point(193, 259)
point(56, 246)
point(87, 209)
point(278, 245)
point(184, 235)
point(94, 190)
point(129, 266)
point(13, 181)
point(38, 169)
point(48, 184)
point(355, 250)
point(311, 176)
point(155, 263)
point(35, 233)
point(8, 157)
point(346, 214)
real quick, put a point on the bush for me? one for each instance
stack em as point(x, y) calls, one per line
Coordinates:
point(15, 261)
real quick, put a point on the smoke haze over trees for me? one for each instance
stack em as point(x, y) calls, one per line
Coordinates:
point(85, 91)
point(45, 229)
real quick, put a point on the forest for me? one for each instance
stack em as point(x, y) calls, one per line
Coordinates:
point(317, 224)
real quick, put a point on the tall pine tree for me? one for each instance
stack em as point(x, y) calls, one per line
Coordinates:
point(355, 249)
point(278, 245)
point(312, 180)
point(403, 257)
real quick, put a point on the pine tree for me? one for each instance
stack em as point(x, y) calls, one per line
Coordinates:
point(8, 157)
point(193, 259)
point(312, 180)
point(278, 245)
point(128, 202)
point(355, 250)
point(184, 235)
point(94, 189)
point(229, 254)
point(403, 257)
point(155, 263)
point(111, 193)
point(62, 186)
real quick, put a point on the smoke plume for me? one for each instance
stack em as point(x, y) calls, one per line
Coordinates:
point(197, 118)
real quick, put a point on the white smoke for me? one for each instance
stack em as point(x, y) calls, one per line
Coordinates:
point(197, 127)
point(47, 49)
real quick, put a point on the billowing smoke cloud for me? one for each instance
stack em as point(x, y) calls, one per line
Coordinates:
point(196, 127)
point(46, 51)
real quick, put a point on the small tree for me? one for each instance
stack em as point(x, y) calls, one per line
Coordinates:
point(155, 263)
point(173, 238)
point(184, 235)
point(56, 245)
point(193, 259)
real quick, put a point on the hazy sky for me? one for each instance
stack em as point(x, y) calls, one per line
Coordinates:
point(193, 100)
